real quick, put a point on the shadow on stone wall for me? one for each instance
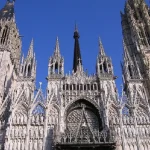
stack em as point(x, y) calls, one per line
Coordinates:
point(49, 145)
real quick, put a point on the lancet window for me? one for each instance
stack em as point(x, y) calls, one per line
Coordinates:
point(29, 71)
point(4, 36)
point(56, 68)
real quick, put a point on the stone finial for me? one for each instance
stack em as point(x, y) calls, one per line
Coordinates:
point(40, 84)
point(57, 48)
point(101, 48)
point(30, 51)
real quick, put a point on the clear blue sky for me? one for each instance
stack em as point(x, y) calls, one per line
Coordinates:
point(45, 19)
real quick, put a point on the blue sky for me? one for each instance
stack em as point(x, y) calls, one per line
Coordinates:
point(44, 20)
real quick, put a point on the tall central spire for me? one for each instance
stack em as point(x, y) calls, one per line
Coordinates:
point(77, 54)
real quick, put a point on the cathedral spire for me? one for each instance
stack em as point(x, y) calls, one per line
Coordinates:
point(101, 48)
point(77, 53)
point(57, 49)
point(56, 62)
point(30, 51)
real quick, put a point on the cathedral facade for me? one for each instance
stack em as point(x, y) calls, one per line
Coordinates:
point(80, 111)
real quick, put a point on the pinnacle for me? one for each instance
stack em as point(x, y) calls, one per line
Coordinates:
point(57, 49)
point(76, 28)
point(101, 48)
point(30, 51)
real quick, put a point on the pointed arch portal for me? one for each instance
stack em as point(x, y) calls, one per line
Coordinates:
point(84, 128)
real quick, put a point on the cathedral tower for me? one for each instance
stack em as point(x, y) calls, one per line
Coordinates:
point(106, 85)
point(22, 99)
point(10, 47)
point(104, 64)
point(10, 37)
point(136, 52)
point(136, 47)
point(135, 67)
point(55, 71)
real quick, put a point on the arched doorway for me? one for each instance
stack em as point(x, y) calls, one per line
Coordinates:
point(84, 128)
point(83, 121)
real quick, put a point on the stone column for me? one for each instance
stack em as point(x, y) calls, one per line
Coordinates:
point(45, 130)
point(121, 144)
point(27, 131)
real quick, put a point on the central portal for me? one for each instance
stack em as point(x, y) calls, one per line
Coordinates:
point(84, 130)
point(83, 122)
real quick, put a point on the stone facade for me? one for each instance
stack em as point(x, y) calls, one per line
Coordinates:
point(79, 109)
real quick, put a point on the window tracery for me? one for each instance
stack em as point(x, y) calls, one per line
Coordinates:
point(82, 122)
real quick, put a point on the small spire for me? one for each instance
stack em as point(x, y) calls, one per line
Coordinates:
point(79, 67)
point(30, 51)
point(76, 33)
point(101, 48)
point(40, 83)
point(77, 53)
point(22, 60)
point(57, 49)
point(76, 28)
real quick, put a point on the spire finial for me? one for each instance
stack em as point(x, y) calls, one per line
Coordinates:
point(76, 27)
point(101, 48)
point(40, 83)
point(30, 52)
point(57, 49)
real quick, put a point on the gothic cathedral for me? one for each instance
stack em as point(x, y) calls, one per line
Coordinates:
point(80, 111)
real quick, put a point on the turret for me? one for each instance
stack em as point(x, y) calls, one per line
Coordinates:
point(136, 36)
point(104, 65)
point(56, 62)
point(28, 64)
point(9, 34)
